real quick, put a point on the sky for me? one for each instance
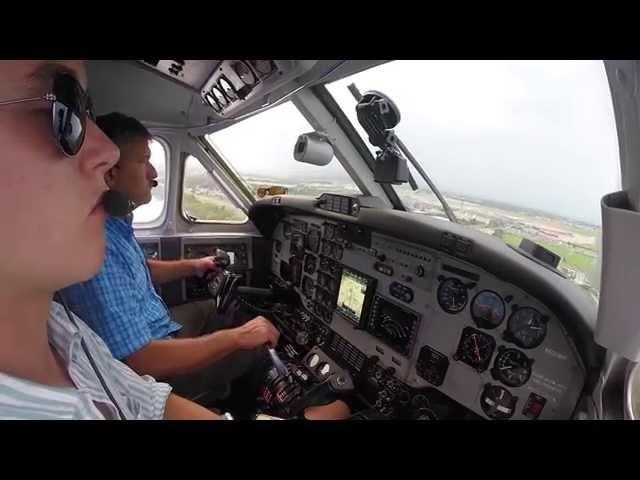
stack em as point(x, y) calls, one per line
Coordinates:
point(537, 134)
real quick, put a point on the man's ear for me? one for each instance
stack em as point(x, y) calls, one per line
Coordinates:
point(111, 176)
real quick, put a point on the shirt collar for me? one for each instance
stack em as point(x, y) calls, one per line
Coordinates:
point(123, 223)
point(63, 333)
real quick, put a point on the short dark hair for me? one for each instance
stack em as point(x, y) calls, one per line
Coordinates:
point(121, 128)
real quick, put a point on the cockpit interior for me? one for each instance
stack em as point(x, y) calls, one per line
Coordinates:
point(418, 303)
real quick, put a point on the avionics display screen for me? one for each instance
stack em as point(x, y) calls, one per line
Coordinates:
point(352, 294)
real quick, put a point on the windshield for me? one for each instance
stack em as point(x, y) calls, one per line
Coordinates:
point(260, 149)
point(519, 149)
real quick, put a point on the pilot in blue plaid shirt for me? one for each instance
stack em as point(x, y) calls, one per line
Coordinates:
point(121, 304)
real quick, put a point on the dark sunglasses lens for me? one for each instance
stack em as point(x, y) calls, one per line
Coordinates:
point(69, 113)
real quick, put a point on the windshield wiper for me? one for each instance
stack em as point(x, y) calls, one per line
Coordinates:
point(405, 151)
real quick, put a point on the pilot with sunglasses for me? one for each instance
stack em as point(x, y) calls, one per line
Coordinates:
point(52, 187)
point(53, 163)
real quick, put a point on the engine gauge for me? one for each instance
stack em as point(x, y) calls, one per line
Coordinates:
point(313, 240)
point(310, 264)
point(497, 402)
point(488, 309)
point(475, 349)
point(308, 287)
point(527, 327)
point(297, 244)
point(329, 231)
point(452, 295)
point(327, 248)
point(512, 367)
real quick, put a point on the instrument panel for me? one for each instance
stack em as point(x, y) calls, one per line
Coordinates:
point(434, 320)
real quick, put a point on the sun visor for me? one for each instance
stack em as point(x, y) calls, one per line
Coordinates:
point(618, 327)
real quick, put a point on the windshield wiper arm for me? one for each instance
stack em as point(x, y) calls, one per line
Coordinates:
point(447, 209)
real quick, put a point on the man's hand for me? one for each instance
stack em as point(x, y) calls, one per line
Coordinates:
point(256, 333)
point(202, 266)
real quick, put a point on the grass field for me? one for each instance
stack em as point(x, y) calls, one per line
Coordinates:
point(211, 209)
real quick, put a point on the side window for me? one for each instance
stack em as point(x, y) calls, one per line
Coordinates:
point(202, 198)
point(152, 212)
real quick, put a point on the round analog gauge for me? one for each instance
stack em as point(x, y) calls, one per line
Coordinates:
point(497, 402)
point(452, 295)
point(488, 309)
point(313, 360)
point(245, 73)
point(512, 367)
point(313, 240)
point(475, 349)
point(527, 327)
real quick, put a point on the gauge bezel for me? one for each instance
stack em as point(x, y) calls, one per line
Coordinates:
point(313, 231)
point(497, 374)
point(510, 336)
point(459, 355)
point(439, 293)
point(502, 416)
point(482, 323)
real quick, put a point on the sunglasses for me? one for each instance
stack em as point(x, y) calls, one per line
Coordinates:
point(70, 105)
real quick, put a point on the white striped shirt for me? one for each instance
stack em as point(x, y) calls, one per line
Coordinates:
point(139, 397)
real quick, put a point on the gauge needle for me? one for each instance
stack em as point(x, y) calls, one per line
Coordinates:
point(477, 348)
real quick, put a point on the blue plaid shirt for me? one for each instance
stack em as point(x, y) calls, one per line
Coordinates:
point(121, 304)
